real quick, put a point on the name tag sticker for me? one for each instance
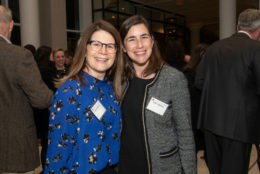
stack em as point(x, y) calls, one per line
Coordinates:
point(98, 109)
point(157, 106)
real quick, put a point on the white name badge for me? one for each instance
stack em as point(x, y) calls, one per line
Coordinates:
point(98, 109)
point(157, 106)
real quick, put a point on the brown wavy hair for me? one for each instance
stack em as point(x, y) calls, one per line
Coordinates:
point(156, 60)
point(79, 62)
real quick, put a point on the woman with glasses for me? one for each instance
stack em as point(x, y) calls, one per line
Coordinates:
point(156, 133)
point(84, 127)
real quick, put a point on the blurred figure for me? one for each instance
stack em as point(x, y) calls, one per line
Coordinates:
point(190, 72)
point(51, 57)
point(31, 48)
point(68, 57)
point(21, 88)
point(51, 72)
point(229, 76)
point(187, 58)
point(42, 115)
point(42, 55)
point(45, 65)
point(174, 54)
point(84, 128)
point(59, 63)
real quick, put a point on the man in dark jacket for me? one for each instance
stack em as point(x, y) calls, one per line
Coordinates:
point(229, 76)
point(21, 88)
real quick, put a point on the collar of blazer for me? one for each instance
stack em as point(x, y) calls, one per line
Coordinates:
point(241, 31)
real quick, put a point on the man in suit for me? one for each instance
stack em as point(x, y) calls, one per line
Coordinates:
point(21, 87)
point(229, 76)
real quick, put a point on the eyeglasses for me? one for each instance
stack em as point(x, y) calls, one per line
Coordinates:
point(97, 45)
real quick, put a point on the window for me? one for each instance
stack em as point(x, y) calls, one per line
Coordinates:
point(164, 24)
point(14, 6)
point(73, 26)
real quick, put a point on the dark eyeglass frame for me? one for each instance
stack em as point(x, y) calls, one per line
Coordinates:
point(106, 45)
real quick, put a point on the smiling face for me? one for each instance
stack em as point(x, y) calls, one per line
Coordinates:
point(138, 45)
point(98, 61)
point(59, 59)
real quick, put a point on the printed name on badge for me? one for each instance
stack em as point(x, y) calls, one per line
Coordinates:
point(98, 109)
point(157, 106)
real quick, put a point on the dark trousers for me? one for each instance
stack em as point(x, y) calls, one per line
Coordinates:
point(226, 156)
point(108, 170)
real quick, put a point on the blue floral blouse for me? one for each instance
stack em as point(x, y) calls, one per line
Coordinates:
point(79, 141)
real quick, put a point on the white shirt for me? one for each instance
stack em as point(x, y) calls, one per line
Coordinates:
point(7, 40)
point(241, 31)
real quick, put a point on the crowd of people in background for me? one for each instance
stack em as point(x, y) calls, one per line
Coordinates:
point(119, 101)
point(53, 65)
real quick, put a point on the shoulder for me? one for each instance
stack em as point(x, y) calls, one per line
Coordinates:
point(15, 52)
point(69, 87)
point(170, 77)
point(254, 45)
point(238, 42)
point(72, 84)
point(16, 49)
point(170, 73)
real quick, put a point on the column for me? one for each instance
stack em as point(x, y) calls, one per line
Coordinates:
point(227, 18)
point(58, 24)
point(29, 20)
point(195, 34)
point(45, 22)
point(85, 14)
point(53, 23)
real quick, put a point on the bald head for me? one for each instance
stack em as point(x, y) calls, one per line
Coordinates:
point(6, 22)
point(5, 14)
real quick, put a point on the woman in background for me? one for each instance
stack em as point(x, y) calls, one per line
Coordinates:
point(156, 134)
point(84, 127)
point(59, 64)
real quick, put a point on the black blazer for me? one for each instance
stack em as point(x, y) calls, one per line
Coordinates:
point(229, 76)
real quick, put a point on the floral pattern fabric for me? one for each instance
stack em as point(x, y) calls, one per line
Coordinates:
point(79, 141)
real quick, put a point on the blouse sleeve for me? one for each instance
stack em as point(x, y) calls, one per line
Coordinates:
point(63, 125)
